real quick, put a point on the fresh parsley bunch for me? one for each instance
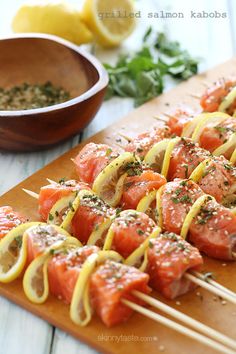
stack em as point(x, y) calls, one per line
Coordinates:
point(140, 75)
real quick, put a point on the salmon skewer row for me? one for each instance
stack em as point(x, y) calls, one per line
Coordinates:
point(133, 230)
point(216, 94)
point(65, 263)
point(216, 175)
point(113, 290)
point(176, 197)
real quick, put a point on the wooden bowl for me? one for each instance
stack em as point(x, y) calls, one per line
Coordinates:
point(38, 58)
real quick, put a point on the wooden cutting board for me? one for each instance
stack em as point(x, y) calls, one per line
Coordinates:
point(139, 334)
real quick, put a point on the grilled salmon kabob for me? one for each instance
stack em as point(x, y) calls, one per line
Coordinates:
point(89, 279)
point(130, 232)
point(171, 158)
point(213, 245)
point(214, 128)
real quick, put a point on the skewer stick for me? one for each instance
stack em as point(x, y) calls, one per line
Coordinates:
point(125, 137)
point(167, 115)
point(161, 119)
point(214, 283)
point(178, 327)
point(186, 319)
point(51, 181)
point(195, 96)
point(31, 193)
point(120, 146)
point(225, 295)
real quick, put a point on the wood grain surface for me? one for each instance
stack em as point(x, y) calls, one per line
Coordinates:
point(206, 308)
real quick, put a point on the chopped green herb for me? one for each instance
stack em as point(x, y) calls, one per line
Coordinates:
point(50, 217)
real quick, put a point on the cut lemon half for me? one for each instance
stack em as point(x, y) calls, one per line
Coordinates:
point(58, 18)
point(208, 119)
point(13, 252)
point(110, 21)
point(154, 157)
point(108, 185)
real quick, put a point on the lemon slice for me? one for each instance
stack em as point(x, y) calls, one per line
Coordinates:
point(146, 201)
point(35, 281)
point(58, 18)
point(221, 150)
point(233, 157)
point(198, 172)
point(193, 212)
point(13, 252)
point(104, 19)
point(159, 207)
point(60, 209)
point(80, 309)
point(136, 256)
point(109, 183)
point(208, 119)
point(191, 125)
point(167, 156)
point(228, 100)
point(154, 157)
point(97, 234)
point(145, 205)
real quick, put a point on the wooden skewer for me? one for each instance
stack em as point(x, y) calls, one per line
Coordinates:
point(219, 290)
point(224, 294)
point(162, 119)
point(51, 181)
point(178, 327)
point(31, 193)
point(73, 160)
point(214, 283)
point(186, 319)
point(167, 115)
point(120, 146)
point(195, 96)
point(125, 137)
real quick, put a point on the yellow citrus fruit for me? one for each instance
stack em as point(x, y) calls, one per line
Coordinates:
point(56, 18)
point(111, 21)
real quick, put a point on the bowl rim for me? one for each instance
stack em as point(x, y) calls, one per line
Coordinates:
point(101, 83)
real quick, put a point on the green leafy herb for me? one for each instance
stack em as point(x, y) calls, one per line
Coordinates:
point(140, 75)
point(50, 217)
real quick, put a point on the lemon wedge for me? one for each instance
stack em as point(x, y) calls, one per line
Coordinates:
point(58, 18)
point(13, 252)
point(110, 21)
point(108, 185)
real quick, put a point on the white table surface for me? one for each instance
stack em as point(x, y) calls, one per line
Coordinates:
point(214, 40)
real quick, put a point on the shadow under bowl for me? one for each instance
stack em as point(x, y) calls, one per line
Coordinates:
point(36, 59)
